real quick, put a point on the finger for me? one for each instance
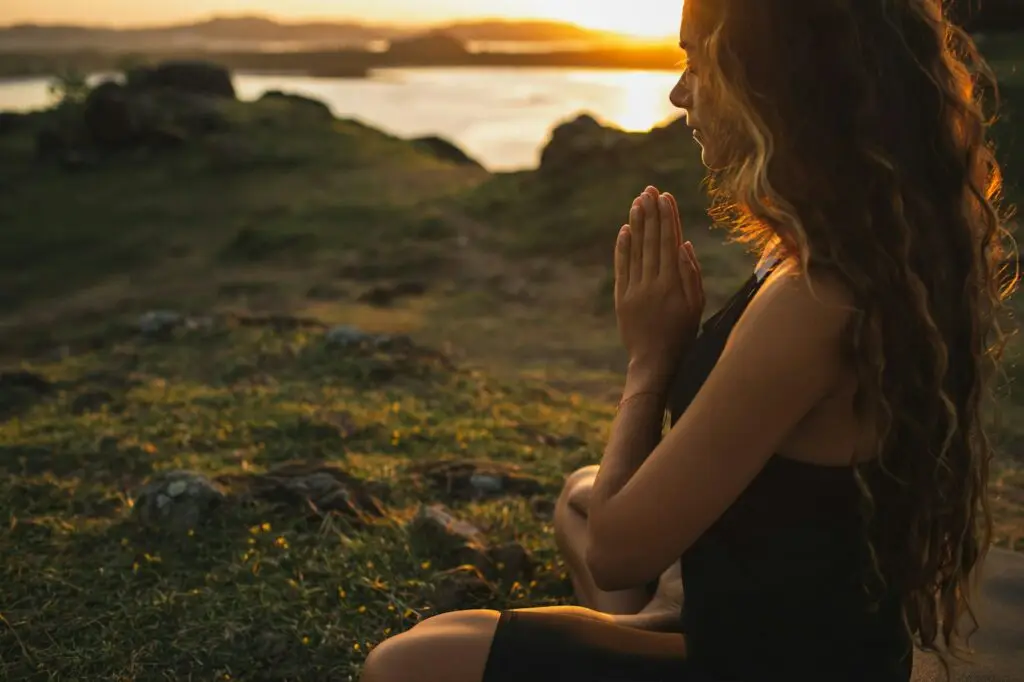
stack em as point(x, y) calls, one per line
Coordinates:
point(652, 237)
point(636, 241)
point(622, 262)
point(694, 283)
point(669, 247)
point(687, 276)
point(696, 261)
point(700, 276)
point(675, 217)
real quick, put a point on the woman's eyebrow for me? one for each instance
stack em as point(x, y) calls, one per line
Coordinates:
point(683, 44)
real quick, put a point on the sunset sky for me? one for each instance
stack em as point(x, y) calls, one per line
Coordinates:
point(634, 17)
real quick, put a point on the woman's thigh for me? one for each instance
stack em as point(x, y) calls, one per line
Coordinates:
point(535, 645)
point(451, 646)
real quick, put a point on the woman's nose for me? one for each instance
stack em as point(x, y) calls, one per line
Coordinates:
point(681, 96)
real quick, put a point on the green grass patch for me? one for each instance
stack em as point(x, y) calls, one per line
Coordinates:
point(257, 593)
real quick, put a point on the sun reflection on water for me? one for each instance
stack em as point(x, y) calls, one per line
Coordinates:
point(641, 99)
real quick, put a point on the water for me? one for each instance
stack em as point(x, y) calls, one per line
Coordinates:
point(500, 116)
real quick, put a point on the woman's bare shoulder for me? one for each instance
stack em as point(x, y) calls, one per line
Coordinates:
point(793, 304)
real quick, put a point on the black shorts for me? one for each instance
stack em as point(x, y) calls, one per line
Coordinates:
point(534, 646)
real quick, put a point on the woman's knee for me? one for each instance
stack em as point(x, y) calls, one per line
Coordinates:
point(583, 474)
point(577, 486)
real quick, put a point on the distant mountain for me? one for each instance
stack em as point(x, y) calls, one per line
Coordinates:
point(526, 31)
point(247, 31)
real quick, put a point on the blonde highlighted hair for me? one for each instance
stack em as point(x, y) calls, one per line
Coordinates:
point(853, 132)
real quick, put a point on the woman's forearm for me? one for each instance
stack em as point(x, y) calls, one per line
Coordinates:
point(635, 432)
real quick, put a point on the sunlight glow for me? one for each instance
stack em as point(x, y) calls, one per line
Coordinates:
point(646, 19)
point(632, 18)
point(638, 100)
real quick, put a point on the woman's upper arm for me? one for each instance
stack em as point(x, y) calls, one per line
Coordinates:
point(782, 358)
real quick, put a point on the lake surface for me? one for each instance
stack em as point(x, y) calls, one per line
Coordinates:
point(501, 117)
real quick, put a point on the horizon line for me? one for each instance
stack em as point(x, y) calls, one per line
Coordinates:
point(313, 19)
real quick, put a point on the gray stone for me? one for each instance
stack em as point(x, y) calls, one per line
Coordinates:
point(176, 488)
point(346, 335)
point(487, 483)
point(441, 521)
point(314, 488)
point(474, 480)
point(159, 322)
point(177, 501)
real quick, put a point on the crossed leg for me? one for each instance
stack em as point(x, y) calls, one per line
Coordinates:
point(455, 647)
point(636, 607)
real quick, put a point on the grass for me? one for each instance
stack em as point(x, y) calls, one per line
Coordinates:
point(278, 197)
point(249, 223)
point(259, 593)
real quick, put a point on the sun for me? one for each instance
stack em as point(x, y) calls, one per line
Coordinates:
point(630, 18)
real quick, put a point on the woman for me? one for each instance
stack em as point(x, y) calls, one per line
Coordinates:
point(824, 480)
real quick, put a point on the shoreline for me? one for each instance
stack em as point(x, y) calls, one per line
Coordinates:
point(341, 63)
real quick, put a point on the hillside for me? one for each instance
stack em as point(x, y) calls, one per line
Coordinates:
point(234, 32)
point(245, 348)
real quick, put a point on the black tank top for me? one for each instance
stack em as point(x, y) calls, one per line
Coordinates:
point(775, 589)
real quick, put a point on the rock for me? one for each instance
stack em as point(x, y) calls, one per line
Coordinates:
point(90, 401)
point(312, 106)
point(469, 480)
point(438, 533)
point(141, 114)
point(160, 323)
point(177, 501)
point(461, 588)
point(165, 117)
point(439, 522)
point(109, 118)
point(444, 150)
point(195, 113)
point(487, 483)
point(315, 488)
point(196, 77)
point(511, 562)
point(346, 335)
point(582, 140)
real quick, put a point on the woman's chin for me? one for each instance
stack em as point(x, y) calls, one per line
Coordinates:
point(707, 158)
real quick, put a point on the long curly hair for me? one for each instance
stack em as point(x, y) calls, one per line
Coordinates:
point(855, 136)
